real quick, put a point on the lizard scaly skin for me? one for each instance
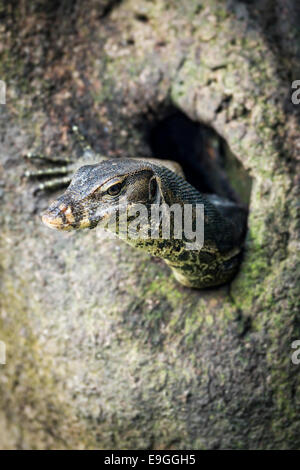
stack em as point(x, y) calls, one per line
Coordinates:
point(97, 191)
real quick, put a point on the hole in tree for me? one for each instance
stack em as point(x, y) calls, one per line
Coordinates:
point(205, 157)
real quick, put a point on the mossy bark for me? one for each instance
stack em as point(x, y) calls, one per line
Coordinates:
point(104, 348)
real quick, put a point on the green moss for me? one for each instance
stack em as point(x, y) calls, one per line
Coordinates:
point(99, 338)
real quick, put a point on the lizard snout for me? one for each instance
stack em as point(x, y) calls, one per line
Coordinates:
point(59, 216)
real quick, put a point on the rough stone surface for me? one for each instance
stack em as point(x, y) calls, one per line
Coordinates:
point(104, 348)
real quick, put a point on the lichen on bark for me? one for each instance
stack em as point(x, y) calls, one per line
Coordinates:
point(105, 349)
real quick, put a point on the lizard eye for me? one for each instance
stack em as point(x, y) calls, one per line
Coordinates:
point(115, 189)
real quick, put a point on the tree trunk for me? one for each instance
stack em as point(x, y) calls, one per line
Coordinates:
point(104, 349)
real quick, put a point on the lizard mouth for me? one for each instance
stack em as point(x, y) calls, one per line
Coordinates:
point(60, 216)
point(56, 223)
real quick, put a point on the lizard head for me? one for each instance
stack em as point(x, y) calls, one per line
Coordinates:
point(97, 192)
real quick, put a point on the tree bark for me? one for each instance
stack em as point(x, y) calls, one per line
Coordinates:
point(104, 349)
